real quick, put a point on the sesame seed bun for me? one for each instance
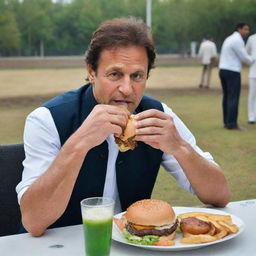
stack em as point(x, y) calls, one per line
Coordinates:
point(150, 212)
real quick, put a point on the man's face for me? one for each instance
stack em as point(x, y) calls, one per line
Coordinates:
point(244, 31)
point(121, 76)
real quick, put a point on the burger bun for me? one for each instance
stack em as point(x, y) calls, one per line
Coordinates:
point(126, 140)
point(150, 212)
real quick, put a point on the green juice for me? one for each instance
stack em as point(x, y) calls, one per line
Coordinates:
point(97, 234)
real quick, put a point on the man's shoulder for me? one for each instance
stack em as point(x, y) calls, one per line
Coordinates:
point(204, 44)
point(233, 40)
point(237, 37)
point(252, 37)
point(148, 98)
point(148, 102)
point(208, 45)
point(211, 43)
point(233, 36)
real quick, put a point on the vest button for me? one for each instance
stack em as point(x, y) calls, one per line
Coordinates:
point(120, 162)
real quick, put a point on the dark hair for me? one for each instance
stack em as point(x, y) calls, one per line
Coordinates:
point(209, 37)
point(240, 25)
point(120, 32)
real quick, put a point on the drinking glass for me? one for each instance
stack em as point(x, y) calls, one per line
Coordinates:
point(97, 214)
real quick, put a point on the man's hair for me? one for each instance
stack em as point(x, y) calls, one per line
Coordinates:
point(209, 37)
point(120, 32)
point(240, 25)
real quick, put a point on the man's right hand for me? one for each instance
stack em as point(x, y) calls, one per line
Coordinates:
point(103, 121)
point(47, 198)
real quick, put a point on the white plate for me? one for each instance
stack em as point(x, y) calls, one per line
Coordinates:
point(116, 234)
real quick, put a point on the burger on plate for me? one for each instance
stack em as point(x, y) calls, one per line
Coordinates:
point(150, 222)
point(126, 140)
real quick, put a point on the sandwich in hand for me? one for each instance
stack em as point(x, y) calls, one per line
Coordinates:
point(126, 140)
point(149, 222)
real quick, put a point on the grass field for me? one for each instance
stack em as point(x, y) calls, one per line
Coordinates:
point(30, 82)
point(23, 90)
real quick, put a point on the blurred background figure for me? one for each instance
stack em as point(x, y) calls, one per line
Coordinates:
point(233, 53)
point(251, 49)
point(208, 55)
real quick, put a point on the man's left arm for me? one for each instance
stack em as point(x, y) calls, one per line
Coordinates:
point(240, 50)
point(158, 130)
point(206, 178)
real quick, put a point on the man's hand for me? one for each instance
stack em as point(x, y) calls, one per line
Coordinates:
point(102, 121)
point(157, 129)
point(47, 198)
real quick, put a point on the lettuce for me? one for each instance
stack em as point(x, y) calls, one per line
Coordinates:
point(145, 240)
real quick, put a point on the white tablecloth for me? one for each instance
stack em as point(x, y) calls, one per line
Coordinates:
point(68, 241)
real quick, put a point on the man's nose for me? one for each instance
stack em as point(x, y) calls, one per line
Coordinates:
point(126, 85)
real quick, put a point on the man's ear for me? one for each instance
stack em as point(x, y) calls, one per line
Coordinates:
point(91, 74)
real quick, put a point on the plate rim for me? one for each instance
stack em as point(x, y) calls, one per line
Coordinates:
point(178, 210)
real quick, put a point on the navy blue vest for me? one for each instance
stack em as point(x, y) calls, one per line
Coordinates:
point(136, 170)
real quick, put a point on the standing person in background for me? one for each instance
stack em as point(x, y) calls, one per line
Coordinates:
point(233, 53)
point(208, 54)
point(251, 49)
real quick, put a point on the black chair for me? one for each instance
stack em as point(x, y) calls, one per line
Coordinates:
point(11, 157)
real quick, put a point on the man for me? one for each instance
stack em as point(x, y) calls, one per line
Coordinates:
point(208, 54)
point(251, 49)
point(69, 142)
point(233, 53)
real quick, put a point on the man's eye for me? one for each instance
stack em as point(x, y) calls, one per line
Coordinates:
point(138, 77)
point(114, 76)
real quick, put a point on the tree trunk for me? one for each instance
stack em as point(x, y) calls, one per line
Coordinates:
point(42, 48)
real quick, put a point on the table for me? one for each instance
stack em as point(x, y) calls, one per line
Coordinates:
point(68, 241)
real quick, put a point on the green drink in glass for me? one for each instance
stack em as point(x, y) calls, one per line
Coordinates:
point(97, 213)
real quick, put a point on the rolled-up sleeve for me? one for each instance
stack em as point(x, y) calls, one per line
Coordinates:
point(169, 162)
point(41, 144)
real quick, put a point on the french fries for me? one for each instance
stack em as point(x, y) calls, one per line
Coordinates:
point(212, 216)
point(221, 226)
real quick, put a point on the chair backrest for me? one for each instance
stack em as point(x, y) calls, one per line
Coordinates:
point(11, 157)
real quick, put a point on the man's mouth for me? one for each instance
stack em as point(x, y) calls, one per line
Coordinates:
point(122, 102)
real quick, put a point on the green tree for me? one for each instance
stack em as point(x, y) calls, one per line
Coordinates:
point(76, 22)
point(66, 28)
point(35, 25)
point(9, 32)
point(171, 25)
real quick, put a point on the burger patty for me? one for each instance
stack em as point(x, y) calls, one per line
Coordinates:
point(156, 232)
point(130, 142)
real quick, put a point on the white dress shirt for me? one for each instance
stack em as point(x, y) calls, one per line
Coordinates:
point(233, 53)
point(207, 51)
point(251, 49)
point(42, 144)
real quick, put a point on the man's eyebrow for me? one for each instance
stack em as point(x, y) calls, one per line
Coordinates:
point(115, 68)
point(140, 71)
point(120, 69)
